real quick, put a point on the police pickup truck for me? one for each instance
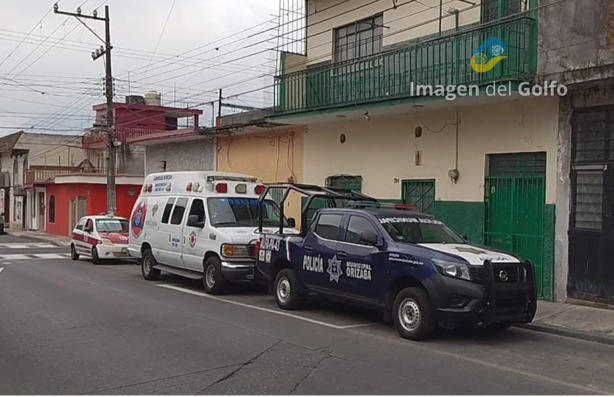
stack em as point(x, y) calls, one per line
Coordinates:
point(409, 265)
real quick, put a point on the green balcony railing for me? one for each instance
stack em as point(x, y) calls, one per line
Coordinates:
point(388, 75)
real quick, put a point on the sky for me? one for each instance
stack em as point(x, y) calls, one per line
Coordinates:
point(180, 48)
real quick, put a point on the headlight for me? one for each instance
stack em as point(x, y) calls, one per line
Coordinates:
point(452, 269)
point(234, 250)
point(107, 241)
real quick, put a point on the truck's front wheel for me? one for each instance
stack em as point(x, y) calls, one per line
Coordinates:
point(213, 280)
point(412, 315)
point(286, 290)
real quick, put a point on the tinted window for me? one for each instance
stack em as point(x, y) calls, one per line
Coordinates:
point(356, 226)
point(179, 211)
point(328, 226)
point(198, 208)
point(167, 210)
point(416, 230)
point(242, 212)
point(112, 225)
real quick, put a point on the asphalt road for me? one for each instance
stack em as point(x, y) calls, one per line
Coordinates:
point(74, 328)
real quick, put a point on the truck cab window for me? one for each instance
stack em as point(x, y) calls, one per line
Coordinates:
point(356, 226)
point(167, 210)
point(198, 208)
point(328, 226)
point(179, 211)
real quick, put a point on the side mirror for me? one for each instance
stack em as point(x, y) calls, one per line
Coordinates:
point(370, 238)
point(194, 222)
point(291, 222)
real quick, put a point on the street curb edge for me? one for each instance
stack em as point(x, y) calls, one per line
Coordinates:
point(607, 340)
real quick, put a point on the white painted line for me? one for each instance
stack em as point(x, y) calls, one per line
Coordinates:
point(27, 245)
point(263, 309)
point(50, 256)
point(14, 256)
point(1, 269)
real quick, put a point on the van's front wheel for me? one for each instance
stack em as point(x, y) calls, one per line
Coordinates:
point(213, 280)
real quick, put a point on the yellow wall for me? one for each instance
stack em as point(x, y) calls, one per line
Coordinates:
point(384, 148)
point(409, 20)
point(271, 157)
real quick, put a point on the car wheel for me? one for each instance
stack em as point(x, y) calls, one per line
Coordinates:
point(213, 279)
point(73, 253)
point(287, 290)
point(411, 314)
point(497, 327)
point(147, 266)
point(95, 258)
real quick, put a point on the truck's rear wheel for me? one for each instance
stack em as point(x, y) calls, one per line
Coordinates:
point(286, 290)
point(213, 280)
point(411, 314)
point(147, 266)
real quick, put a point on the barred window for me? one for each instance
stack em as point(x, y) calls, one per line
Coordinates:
point(359, 39)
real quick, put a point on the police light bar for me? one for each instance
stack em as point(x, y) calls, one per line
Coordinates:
point(375, 204)
point(221, 187)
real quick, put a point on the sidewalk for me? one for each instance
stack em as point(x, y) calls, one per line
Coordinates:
point(575, 321)
point(50, 238)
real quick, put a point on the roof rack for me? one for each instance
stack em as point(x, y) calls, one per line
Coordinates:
point(312, 192)
point(377, 204)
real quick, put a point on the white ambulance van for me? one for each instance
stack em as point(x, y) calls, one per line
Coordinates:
point(200, 225)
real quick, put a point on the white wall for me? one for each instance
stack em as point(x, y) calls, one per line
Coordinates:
point(383, 149)
point(409, 20)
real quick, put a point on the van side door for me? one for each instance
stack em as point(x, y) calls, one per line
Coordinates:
point(169, 241)
point(194, 236)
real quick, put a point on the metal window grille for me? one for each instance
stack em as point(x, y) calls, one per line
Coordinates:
point(345, 182)
point(359, 39)
point(517, 164)
point(420, 193)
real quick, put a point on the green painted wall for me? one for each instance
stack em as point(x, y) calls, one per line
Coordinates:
point(464, 217)
point(548, 258)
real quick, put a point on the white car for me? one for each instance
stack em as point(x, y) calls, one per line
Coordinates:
point(100, 237)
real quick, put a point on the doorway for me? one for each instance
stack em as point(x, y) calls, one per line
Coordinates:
point(515, 197)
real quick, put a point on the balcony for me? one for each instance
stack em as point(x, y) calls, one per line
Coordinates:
point(389, 75)
point(47, 174)
point(98, 138)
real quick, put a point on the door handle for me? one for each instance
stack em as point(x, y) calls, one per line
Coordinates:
point(308, 248)
point(342, 255)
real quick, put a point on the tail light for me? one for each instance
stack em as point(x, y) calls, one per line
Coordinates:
point(259, 189)
point(257, 248)
point(149, 187)
point(188, 188)
point(221, 188)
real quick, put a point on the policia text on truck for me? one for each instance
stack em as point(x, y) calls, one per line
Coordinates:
point(407, 264)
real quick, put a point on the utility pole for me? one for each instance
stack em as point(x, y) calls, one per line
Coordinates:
point(104, 50)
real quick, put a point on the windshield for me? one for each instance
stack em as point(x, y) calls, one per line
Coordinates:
point(241, 212)
point(112, 225)
point(418, 230)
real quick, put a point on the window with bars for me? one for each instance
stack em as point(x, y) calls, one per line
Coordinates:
point(587, 199)
point(345, 182)
point(493, 10)
point(359, 39)
point(593, 136)
point(517, 164)
point(420, 193)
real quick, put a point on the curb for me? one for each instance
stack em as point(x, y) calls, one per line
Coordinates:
point(570, 333)
point(39, 238)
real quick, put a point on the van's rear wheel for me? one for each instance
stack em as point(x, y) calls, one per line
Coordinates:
point(411, 314)
point(213, 279)
point(147, 266)
point(286, 290)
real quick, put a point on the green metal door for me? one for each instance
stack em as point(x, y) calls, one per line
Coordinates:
point(515, 209)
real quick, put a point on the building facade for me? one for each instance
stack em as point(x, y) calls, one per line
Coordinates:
point(492, 161)
point(25, 160)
